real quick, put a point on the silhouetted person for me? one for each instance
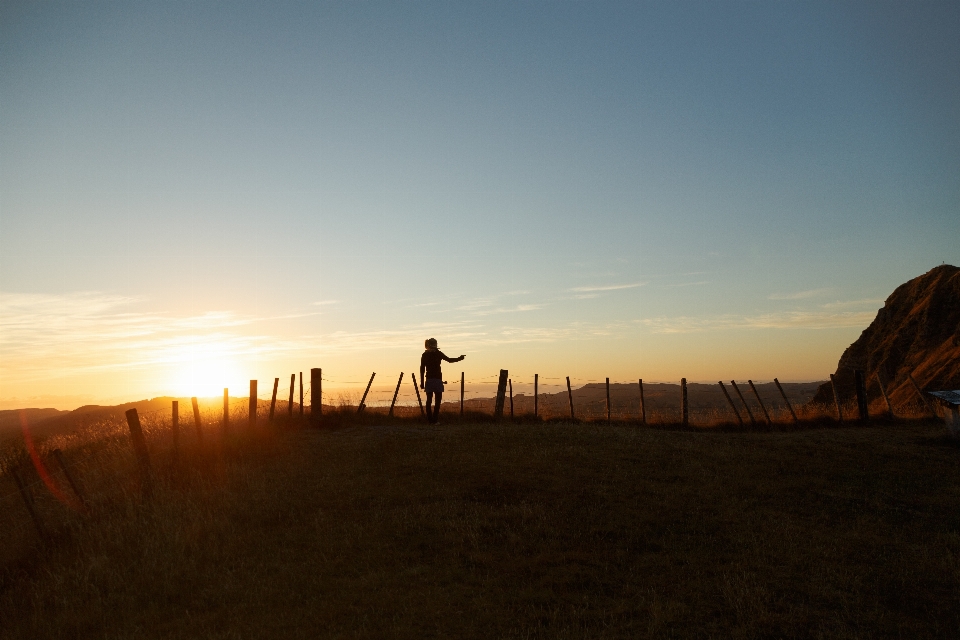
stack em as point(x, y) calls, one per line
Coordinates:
point(430, 362)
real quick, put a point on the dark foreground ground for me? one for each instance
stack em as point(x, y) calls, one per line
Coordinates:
point(553, 531)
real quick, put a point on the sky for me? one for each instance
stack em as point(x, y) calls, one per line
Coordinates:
point(197, 194)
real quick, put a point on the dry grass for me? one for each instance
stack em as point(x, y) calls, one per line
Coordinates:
point(507, 530)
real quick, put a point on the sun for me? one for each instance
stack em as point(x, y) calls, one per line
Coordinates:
point(202, 371)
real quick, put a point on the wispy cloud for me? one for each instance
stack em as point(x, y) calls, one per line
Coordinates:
point(801, 295)
point(686, 284)
point(325, 302)
point(818, 319)
point(608, 287)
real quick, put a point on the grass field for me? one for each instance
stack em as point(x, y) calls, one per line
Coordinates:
point(517, 530)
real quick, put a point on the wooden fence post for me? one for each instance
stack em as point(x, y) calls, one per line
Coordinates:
point(510, 384)
point(883, 392)
point(395, 392)
point(140, 449)
point(226, 409)
point(196, 419)
point(861, 396)
point(293, 381)
point(536, 396)
point(732, 405)
point(760, 402)
point(413, 377)
point(363, 400)
point(789, 406)
point(301, 394)
point(836, 397)
point(252, 405)
point(643, 407)
point(923, 398)
point(684, 413)
point(175, 429)
point(316, 396)
point(733, 383)
point(570, 397)
point(70, 479)
point(461, 395)
point(501, 394)
point(273, 398)
point(608, 400)
point(28, 503)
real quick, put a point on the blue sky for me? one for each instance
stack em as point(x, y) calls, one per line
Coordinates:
point(238, 190)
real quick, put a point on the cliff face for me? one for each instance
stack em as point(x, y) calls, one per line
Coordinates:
point(917, 331)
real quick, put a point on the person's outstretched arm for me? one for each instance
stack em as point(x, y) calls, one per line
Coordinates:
point(442, 355)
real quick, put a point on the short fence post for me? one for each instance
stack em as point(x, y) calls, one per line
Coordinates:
point(28, 503)
point(140, 449)
point(732, 405)
point(417, 390)
point(316, 396)
point(536, 395)
point(395, 392)
point(608, 400)
point(643, 408)
point(886, 399)
point(461, 395)
point(733, 383)
point(66, 472)
point(175, 429)
point(363, 400)
point(501, 394)
point(570, 398)
point(196, 419)
point(785, 399)
point(252, 405)
point(760, 402)
point(836, 397)
point(293, 381)
point(226, 409)
point(861, 396)
point(273, 398)
point(684, 414)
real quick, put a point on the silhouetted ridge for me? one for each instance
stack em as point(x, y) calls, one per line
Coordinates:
point(917, 331)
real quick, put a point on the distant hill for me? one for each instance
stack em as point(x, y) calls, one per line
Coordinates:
point(10, 418)
point(917, 331)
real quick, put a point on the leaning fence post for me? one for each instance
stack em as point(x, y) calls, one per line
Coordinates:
point(886, 399)
point(66, 472)
point(570, 397)
point(684, 413)
point(861, 395)
point(273, 398)
point(293, 381)
point(397, 391)
point(316, 396)
point(760, 402)
point(196, 418)
point(732, 405)
point(501, 394)
point(733, 383)
point(643, 408)
point(252, 405)
point(836, 397)
point(28, 503)
point(417, 389)
point(923, 398)
point(363, 400)
point(789, 406)
point(140, 449)
point(175, 429)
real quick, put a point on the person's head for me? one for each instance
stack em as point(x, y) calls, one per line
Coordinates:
point(430, 343)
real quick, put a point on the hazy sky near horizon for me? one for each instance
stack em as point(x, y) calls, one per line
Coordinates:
point(195, 194)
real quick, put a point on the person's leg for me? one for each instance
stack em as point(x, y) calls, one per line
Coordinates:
point(429, 401)
point(436, 408)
